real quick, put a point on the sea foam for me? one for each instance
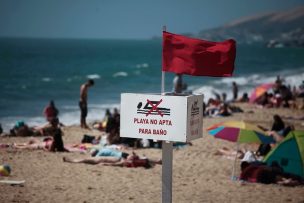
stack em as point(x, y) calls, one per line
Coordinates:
point(93, 76)
point(120, 74)
point(46, 79)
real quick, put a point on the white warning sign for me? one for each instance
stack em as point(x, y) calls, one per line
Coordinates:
point(161, 117)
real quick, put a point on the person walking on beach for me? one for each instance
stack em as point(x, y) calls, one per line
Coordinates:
point(50, 112)
point(83, 102)
point(235, 91)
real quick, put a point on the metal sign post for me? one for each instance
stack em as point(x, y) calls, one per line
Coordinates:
point(167, 157)
point(167, 118)
point(164, 117)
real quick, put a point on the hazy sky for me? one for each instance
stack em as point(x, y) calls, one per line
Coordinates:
point(124, 18)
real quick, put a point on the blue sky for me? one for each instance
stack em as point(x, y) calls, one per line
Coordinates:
point(132, 19)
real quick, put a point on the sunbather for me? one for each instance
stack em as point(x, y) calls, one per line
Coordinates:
point(33, 143)
point(131, 160)
point(46, 144)
point(260, 173)
point(230, 153)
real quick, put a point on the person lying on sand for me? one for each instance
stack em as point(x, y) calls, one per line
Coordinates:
point(230, 153)
point(21, 129)
point(243, 154)
point(33, 143)
point(260, 173)
point(111, 151)
point(131, 161)
point(46, 144)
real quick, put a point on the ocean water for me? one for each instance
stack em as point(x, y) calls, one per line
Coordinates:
point(34, 71)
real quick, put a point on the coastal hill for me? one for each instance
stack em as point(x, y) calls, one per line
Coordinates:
point(283, 28)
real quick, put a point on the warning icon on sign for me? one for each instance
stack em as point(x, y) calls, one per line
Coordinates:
point(152, 108)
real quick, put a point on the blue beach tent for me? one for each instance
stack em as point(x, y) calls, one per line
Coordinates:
point(289, 153)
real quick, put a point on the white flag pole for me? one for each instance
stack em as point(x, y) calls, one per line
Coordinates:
point(163, 72)
point(167, 157)
point(163, 82)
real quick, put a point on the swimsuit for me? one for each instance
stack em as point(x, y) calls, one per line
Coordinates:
point(111, 152)
point(136, 163)
point(83, 109)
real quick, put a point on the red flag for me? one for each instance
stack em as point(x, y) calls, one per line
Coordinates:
point(197, 57)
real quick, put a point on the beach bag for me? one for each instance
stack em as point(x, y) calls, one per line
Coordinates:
point(249, 157)
point(87, 139)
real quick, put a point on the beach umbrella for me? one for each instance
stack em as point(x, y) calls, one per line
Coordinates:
point(259, 91)
point(239, 132)
point(289, 153)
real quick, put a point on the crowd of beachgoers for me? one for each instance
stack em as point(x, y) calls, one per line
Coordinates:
point(110, 149)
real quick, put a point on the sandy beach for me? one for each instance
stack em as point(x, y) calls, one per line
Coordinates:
point(198, 174)
point(80, 82)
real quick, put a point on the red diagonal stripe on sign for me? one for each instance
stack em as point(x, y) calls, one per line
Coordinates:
point(154, 107)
